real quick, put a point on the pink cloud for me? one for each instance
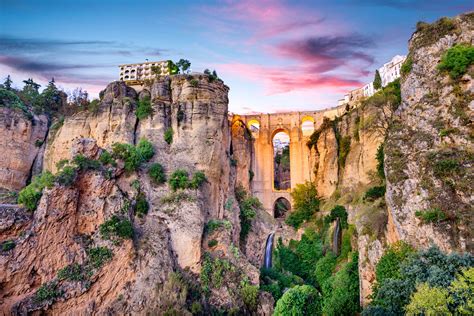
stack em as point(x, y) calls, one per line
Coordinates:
point(286, 79)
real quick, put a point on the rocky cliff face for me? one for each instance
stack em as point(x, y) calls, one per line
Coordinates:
point(20, 139)
point(155, 270)
point(429, 156)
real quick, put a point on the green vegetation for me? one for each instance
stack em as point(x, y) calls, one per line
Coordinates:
point(179, 179)
point(98, 256)
point(340, 212)
point(248, 206)
point(31, 194)
point(305, 202)
point(374, 193)
point(8, 245)
point(169, 135)
point(434, 215)
point(211, 75)
point(406, 66)
point(84, 163)
point(249, 294)
point(428, 34)
point(212, 243)
point(176, 198)
point(141, 205)
point(405, 271)
point(157, 173)
point(344, 148)
point(106, 159)
point(116, 227)
point(313, 139)
point(133, 156)
point(194, 83)
point(215, 224)
point(197, 180)
point(428, 300)
point(144, 108)
point(72, 272)
point(93, 106)
point(213, 272)
point(66, 176)
point(47, 292)
point(377, 80)
point(183, 65)
point(299, 300)
point(456, 60)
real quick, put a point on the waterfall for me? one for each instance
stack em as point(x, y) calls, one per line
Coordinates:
point(336, 238)
point(267, 259)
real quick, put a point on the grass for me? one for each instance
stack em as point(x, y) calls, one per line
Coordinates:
point(434, 215)
point(116, 227)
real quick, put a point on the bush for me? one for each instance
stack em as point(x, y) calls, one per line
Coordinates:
point(169, 135)
point(94, 106)
point(141, 205)
point(456, 60)
point(306, 203)
point(179, 180)
point(176, 197)
point(72, 272)
point(31, 194)
point(299, 300)
point(323, 270)
point(8, 245)
point(388, 266)
point(157, 173)
point(98, 256)
point(212, 243)
point(445, 167)
point(66, 176)
point(374, 193)
point(144, 108)
point(145, 150)
point(406, 66)
point(215, 224)
point(116, 227)
point(344, 148)
point(340, 212)
point(198, 179)
point(84, 163)
point(249, 295)
point(194, 83)
point(434, 215)
point(428, 301)
point(248, 206)
point(107, 159)
point(47, 292)
point(133, 156)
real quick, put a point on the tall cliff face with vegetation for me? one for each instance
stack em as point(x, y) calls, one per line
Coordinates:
point(429, 153)
point(135, 211)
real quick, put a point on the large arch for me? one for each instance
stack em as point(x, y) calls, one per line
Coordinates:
point(281, 160)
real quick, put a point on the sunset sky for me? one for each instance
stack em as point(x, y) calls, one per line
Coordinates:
point(274, 55)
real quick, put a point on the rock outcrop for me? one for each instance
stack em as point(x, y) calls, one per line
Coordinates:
point(429, 155)
point(20, 139)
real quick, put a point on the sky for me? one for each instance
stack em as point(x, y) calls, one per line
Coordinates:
point(275, 56)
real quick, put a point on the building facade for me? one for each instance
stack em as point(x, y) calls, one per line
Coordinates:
point(391, 70)
point(137, 73)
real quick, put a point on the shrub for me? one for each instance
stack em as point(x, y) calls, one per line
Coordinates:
point(198, 179)
point(31, 194)
point(179, 180)
point(456, 60)
point(107, 159)
point(176, 197)
point(324, 268)
point(84, 163)
point(66, 176)
point(215, 224)
point(169, 135)
point(406, 66)
point(145, 149)
point(445, 167)
point(144, 108)
point(344, 148)
point(249, 295)
point(94, 106)
point(248, 206)
point(133, 156)
point(98, 256)
point(141, 205)
point(8, 245)
point(299, 300)
point(72, 272)
point(388, 266)
point(374, 193)
point(39, 143)
point(116, 227)
point(194, 83)
point(434, 215)
point(157, 173)
point(306, 203)
point(46, 292)
point(428, 300)
point(212, 243)
point(461, 292)
point(340, 212)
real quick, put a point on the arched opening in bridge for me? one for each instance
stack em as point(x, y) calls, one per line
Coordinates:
point(281, 207)
point(281, 160)
point(307, 126)
point(254, 126)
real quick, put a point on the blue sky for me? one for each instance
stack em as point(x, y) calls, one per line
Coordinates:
point(274, 55)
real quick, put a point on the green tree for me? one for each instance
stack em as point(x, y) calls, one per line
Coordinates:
point(7, 84)
point(299, 300)
point(461, 291)
point(183, 65)
point(377, 80)
point(30, 90)
point(428, 300)
point(306, 203)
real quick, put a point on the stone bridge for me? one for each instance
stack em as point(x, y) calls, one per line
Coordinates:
point(298, 126)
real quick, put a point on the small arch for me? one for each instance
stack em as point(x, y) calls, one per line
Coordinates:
point(281, 207)
point(127, 71)
point(254, 126)
point(307, 125)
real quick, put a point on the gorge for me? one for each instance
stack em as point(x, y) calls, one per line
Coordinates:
point(173, 212)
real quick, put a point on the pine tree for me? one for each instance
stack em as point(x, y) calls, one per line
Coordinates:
point(8, 83)
point(377, 80)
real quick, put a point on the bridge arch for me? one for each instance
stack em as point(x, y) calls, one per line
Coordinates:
point(307, 125)
point(281, 207)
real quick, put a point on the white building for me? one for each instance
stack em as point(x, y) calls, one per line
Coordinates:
point(134, 73)
point(368, 89)
point(391, 70)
